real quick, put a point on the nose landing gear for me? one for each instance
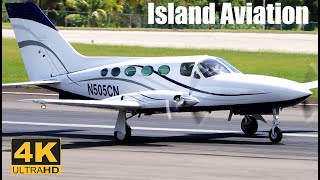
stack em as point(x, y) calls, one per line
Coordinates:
point(275, 133)
point(249, 126)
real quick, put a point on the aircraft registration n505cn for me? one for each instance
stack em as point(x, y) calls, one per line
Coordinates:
point(145, 85)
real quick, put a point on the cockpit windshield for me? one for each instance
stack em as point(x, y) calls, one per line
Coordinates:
point(211, 67)
point(233, 69)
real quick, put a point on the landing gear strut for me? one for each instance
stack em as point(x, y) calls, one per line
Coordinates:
point(249, 125)
point(275, 133)
point(122, 131)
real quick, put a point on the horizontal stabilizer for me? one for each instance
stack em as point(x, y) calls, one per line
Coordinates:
point(110, 104)
point(23, 84)
point(311, 85)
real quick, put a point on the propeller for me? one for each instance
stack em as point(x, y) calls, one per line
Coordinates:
point(186, 100)
point(168, 109)
point(311, 75)
point(197, 116)
point(180, 100)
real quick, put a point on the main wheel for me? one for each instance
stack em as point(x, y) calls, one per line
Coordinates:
point(249, 126)
point(276, 136)
point(121, 138)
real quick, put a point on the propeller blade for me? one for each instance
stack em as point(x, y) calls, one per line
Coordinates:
point(168, 110)
point(311, 75)
point(194, 81)
point(198, 117)
point(308, 109)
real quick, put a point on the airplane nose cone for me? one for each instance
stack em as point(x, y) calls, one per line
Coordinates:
point(305, 92)
point(281, 89)
point(287, 91)
point(291, 90)
point(298, 90)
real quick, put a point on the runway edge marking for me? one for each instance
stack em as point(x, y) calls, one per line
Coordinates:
point(145, 128)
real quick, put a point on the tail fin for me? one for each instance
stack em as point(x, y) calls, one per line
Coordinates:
point(44, 51)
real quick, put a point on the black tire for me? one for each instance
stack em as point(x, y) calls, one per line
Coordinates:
point(127, 136)
point(249, 128)
point(277, 137)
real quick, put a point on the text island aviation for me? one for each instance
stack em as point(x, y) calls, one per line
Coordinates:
point(271, 14)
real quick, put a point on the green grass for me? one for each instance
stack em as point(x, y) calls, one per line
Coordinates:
point(8, 26)
point(285, 65)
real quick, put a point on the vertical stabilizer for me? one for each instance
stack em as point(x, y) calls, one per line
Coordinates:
point(44, 51)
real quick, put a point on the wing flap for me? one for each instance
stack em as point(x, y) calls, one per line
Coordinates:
point(110, 104)
point(311, 85)
point(23, 84)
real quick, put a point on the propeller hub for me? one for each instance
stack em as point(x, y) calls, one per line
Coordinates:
point(188, 100)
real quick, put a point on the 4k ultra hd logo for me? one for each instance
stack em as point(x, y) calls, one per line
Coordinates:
point(35, 156)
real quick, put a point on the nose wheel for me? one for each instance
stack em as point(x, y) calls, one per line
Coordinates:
point(249, 125)
point(276, 136)
point(275, 133)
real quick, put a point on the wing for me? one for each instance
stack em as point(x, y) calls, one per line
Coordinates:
point(109, 104)
point(132, 101)
point(22, 84)
point(311, 85)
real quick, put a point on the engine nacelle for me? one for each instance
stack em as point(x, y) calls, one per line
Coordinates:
point(159, 99)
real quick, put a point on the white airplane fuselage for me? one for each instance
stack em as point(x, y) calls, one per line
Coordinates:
point(223, 91)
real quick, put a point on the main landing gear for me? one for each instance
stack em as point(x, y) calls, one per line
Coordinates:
point(249, 125)
point(122, 131)
point(275, 133)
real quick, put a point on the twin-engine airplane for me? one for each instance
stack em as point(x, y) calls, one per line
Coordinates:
point(145, 85)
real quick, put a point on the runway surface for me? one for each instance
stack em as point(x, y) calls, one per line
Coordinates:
point(276, 42)
point(162, 148)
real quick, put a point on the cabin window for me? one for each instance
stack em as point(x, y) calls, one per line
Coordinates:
point(130, 71)
point(164, 70)
point(147, 70)
point(115, 71)
point(104, 72)
point(186, 68)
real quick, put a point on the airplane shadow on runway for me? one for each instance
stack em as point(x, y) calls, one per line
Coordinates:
point(82, 140)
